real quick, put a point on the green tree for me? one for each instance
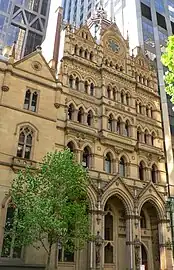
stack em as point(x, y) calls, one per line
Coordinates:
point(168, 61)
point(51, 205)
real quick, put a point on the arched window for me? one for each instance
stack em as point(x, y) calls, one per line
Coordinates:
point(109, 227)
point(71, 146)
point(146, 135)
point(25, 143)
point(141, 171)
point(27, 100)
point(86, 159)
point(80, 115)
point(108, 163)
point(30, 102)
point(127, 99)
point(114, 94)
point(86, 87)
point(140, 108)
point(111, 64)
point(122, 169)
point(77, 83)
point(119, 126)
point(70, 112)
point(139, 135)
point(89, 118)
point(110, 122)
point(154, 174)
point(109, 253)
point(109, 92)
point(86, 54)
point(147, 111)
point(91, 56)
point(8, 249)
point(71, 81)
point(80, 52)
point(122, 97)
point(142, 220)
point(126, 130)
point(91, 89)
point(75, 49)
point(153, 138)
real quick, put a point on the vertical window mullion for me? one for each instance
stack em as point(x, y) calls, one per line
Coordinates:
point(31, 98)
point(25, 142)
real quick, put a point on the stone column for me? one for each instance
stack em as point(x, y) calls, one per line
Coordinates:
point(74, 84)
point(129, 243)
point(85, 118)
point(75, 113)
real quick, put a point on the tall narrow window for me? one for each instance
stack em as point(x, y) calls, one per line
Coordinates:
point(142, 220)
point(108, 163)
point(146, 135)
point(30, 102)
point(109, 253)
point(86, 54)
point(114, 94)
point(77, 83)
point(86, 87)
point(71, 146)
point(139, 135)
point(25, 143)
point(122, 167)
point(86, 157)
point(91, 56)
point(153, 138)
point(80, 52)
point(126, 130)
point(110, 122)
point(91, 89)
point(141, 171)
point(154, 174)
point(109, 227)
point(89, 118)
point(75, 49)
point(80, 115)
point(71, 81)
point(147, 111)
point(109, 92)
point(27, 100)
point(127, 99)
point(119, 126)
point(70, 112)
point(140, 108)
point(8, 249)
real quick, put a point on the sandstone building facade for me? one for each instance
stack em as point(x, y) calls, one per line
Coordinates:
point(105, 107)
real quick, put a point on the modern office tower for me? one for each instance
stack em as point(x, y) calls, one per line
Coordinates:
point(25, 22)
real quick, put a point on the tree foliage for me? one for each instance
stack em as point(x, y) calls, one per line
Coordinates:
point(51, 203)
point(168, 61)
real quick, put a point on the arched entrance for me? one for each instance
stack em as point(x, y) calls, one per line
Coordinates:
point(115, 234)
point(150, 256)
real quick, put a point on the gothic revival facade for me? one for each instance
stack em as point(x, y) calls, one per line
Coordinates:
point(105, 107)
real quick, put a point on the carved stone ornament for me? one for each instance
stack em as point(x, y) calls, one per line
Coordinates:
point(36, 65)
point(5, 88)
point(98, 243)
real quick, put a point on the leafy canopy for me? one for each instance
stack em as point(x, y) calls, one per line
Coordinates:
point(52, 202)
point(168, 61)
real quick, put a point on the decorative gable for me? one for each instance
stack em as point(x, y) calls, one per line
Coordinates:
point(84, 33)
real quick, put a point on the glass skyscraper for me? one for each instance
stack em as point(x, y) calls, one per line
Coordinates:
point(25, 22)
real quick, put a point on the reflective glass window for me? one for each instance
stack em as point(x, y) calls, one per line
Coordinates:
point(4, 5)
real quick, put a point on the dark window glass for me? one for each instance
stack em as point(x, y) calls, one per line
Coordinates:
point(172, 24)
point(27, 100)
point(108, 163)
point(142, 220)
point(108, 253)
point(34, 102)
point(109, 227)
point(145, 11)
point(36, 25)
point(86, 158)
point(33, 40)
point(32, 4)
point(161, 20)
point(29, 16)
point(122, 167)
point(44, 7)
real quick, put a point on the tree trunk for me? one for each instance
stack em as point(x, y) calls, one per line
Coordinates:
point(49, 257)
point(56, 257)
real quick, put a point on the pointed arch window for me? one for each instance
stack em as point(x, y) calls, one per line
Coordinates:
point(91, 89)
point(110, 122)
point(86, 87)
point(154, 174)
point(140, 108)
point(71, 111)
point(141, 171)
point(108, 163)
point(147, 111)
point(122, 167)
point(139, 135)
point(8, 248)
point(71, 146)
point(143, 220)
point(153, 138)
point(80, 52)
point(109, 92)
point(146, 135)
point(86, 159)
point(114, 94)
point(119, 126)
point(75, 49)
point(80, 115)
point(30, 102)
point(86, 54)
point(127, 126)
point(91, 56)
point(25, 143)
point(109, 253)
point(77, 83)
point(71, 81)
point(89, 118)
point(127, 99)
